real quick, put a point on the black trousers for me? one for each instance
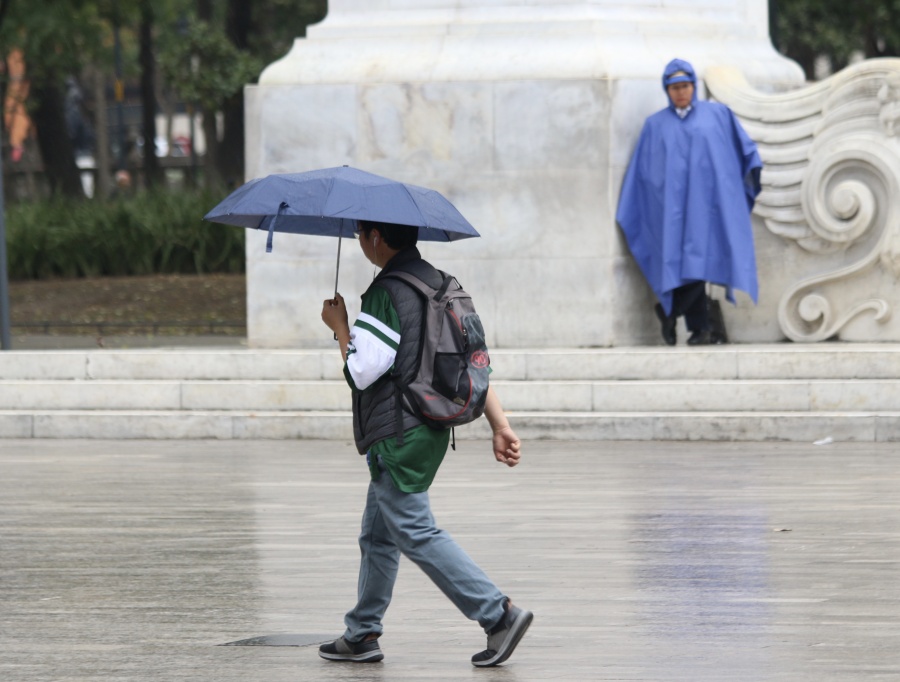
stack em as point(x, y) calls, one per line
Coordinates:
point(691, 301)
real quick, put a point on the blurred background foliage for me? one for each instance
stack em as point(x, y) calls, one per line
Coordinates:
point(78, 64)
point(97, 180)
point(824, 36)
point(152, 232)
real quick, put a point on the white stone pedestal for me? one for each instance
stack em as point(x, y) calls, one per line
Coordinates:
point(524, 114)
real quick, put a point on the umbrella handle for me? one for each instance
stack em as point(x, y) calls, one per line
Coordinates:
point(337, 271)
point(337, 268)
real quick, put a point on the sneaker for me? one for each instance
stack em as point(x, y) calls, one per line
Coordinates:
point(503, 637)
point(358, 652)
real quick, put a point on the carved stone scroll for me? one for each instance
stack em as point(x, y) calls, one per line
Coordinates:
point(831, 183)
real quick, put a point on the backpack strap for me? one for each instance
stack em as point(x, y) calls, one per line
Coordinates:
point(444, 286)
point(404, 277)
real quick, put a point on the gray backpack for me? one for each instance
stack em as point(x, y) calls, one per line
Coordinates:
point(451, 383)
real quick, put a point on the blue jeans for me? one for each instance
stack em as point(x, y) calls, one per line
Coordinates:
point(395, 522)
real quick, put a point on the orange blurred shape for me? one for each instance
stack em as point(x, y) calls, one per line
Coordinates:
point(15, 117)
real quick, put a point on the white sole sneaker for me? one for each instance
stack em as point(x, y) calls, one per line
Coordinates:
point(502, 644)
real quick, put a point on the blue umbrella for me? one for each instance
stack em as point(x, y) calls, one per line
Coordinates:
point(330, 201)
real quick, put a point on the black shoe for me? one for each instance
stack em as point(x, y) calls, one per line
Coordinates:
point(701, 338)
point(668, 325)
point(504, 637)
point(359, 652)
point(717, 331)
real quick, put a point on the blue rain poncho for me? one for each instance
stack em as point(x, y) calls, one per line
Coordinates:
point(686, 198)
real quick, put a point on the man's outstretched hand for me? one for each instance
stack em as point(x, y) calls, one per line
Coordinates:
point(507, 446)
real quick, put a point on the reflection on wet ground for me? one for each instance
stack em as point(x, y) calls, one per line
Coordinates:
point(642, 561)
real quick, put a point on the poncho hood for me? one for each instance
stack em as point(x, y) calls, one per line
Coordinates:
point(668, 78)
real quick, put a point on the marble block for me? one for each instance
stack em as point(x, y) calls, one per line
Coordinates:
point(523, 114)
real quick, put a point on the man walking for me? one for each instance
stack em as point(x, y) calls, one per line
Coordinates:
point(403, 456)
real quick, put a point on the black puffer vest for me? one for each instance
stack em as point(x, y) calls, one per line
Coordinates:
point(378, 411)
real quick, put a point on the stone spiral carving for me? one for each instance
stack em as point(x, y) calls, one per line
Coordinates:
point(842, 194)
point(831, 184)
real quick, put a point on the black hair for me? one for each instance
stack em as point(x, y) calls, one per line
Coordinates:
point(398, 237)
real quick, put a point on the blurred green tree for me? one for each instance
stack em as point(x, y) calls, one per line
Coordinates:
point(204, 50)
point(805, 30)
point(219, 48)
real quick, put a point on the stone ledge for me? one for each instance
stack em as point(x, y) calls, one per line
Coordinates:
point(737, 361)
point(672, 426)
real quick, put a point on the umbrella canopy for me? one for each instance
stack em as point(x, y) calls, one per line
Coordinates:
point(329, 202)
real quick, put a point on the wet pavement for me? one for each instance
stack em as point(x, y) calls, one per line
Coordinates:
point(642, 561)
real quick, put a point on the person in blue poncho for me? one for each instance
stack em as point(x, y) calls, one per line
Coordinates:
point(685, 205)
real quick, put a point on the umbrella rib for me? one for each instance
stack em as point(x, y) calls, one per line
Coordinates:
point(340, 219)
point(415, 203)
point(421, 215)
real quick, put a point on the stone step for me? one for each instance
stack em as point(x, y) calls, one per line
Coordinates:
point(175, 363)
point(769, 361)
point(677, 426)
point(267, 395)
point(795, 395)
point(701, 395)
point(739, 392)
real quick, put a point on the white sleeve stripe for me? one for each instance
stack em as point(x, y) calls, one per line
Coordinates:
point(370, 361)
point(380, 326)
point(361, 337)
